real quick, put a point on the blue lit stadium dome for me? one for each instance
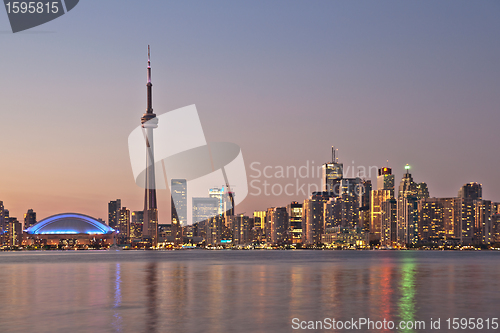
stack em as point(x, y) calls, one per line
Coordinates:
point(69, 223)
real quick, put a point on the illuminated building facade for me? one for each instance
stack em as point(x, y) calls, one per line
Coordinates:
point(81, 228)
point(29, 218)
point(472, 191)
point(260, 218)
point(114, 212)
point(279, 225)
point(384, 191)
point(137, 220)
point(313, 217)
point(124, 225)
point(225, 198)
point(389, 222)
point(294, 211)
point(332, 174)
point(407, 210)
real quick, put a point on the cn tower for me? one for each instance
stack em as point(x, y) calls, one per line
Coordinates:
point(150, 122)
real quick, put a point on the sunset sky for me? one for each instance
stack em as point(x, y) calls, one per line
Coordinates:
point(414, 82)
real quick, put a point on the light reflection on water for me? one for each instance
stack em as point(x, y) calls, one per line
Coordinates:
point(239, 291)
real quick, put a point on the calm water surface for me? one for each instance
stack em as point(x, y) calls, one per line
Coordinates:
point(240, 291)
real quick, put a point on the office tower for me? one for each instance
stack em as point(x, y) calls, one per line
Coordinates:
point(259, 218)
point(332, 213)
point(332, 174)
point(385, 179)
point(225, 198)
point(422, 191)
point(465, 220)
point(495, 208)
point(384, 191)
point(204, 208)
point(389, 222)
point(313, 217)
point(114, 213)
point(495, 228)
point(294, 211)
point(473, 191)
point(267, 224)
point(279, 225)
point(178, 209)
point(214, 229)
point(431, 228)
point(124, 225)
point(13, 232)
point(483, 225)
point(178, 189)
point(2, 223)
point(137, 220)
point(407, 210)
point(407, 187)
point(241, 229)
point(29, 218)
point(350, 201)
point(149, 123)
point(364, 205)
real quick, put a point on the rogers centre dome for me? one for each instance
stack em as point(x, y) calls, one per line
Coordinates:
point(68, 224)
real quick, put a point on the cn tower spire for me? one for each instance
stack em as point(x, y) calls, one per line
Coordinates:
point(149, 111)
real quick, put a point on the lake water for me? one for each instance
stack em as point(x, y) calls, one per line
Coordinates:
point(242, 291)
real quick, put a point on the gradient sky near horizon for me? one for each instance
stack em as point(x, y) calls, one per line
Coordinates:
point(414, 82)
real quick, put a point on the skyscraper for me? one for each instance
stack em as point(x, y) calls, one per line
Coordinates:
point(385, 179)
point(407, 210)
point(178, 189)
point(124, 224)
point(114, 213)
point(332, 175)
point(279, 225)
point(225, 198)
point(29, 218)
point(384, 192)
point(178, 208)
point(149, 123)
point(136, 224)
point(473, 191)
point(294, 211)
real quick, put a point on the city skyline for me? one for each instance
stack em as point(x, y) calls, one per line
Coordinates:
point(429, 100)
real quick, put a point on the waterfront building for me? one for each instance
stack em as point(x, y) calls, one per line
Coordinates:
point(294, 212)
point(332, 174)
point(29, 218)
point(384, 191)
point(483, 225)
point(389, 222)
point(385, 179)
point(137, 220)
point(77, 229)
point(178, 189)
point(279, 225)
point(472, 191)
point(407, 210)
point(124, 225)
point(114, 212)
point(313, 217)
